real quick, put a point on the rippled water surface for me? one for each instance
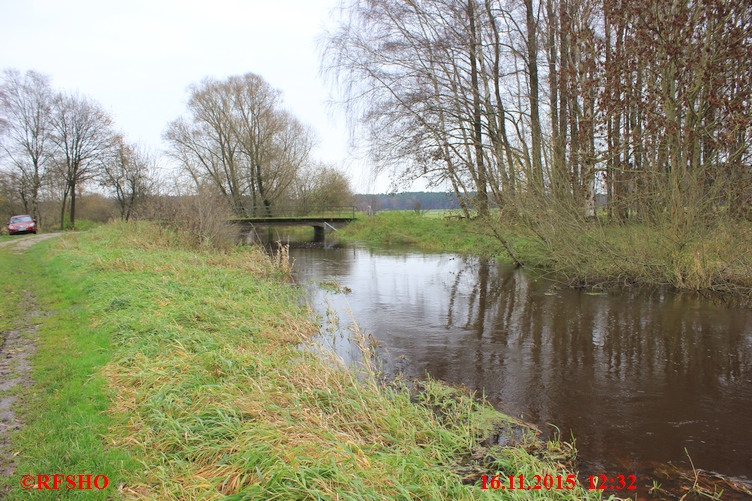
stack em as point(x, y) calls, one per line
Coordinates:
point(637, 377)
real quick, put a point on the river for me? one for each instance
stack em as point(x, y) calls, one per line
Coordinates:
point(640, 378)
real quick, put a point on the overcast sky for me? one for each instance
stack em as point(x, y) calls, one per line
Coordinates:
point(138, 57)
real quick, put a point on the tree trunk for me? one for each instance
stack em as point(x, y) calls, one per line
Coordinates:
point(558, 165)
point(73, 207)
point(532, 63)
point(563, 78)
point(477, 124)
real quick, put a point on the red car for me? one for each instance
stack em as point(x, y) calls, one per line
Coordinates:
point(22, 224)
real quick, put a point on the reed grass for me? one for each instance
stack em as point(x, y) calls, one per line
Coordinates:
point(714, 257)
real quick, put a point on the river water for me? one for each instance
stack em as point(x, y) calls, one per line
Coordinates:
point(636, 377)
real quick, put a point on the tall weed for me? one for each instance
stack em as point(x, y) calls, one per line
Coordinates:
point(697, 251)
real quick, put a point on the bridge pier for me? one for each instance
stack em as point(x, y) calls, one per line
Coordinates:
point(318, 234)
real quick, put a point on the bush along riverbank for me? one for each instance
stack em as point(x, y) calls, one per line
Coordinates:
point(201, 391)
point(712, 257)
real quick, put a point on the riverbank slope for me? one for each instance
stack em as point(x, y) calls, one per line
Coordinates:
point(708, 259)
point(177, 372)
point(434, 231)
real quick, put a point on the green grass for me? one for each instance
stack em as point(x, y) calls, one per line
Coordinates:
point(85, 225)
point(178, 373)
point(64, 411)
point(441, 213)
point(431, 232)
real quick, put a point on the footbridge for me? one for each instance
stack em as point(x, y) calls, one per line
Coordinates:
point(321, 218)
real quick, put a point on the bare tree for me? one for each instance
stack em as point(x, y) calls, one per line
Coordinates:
point(10, 198)
point(433, 84)
point(322, 185)
point(647, 101)
point(129, 173)
point(400, 68)
point(83, 137)
point(204, 142)
point(531, 22)
point(25, 107)
point(238, 137)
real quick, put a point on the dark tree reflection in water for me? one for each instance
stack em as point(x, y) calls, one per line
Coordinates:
point(636, 376)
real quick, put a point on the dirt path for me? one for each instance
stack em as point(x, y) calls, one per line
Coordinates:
point(16, 347)
point(20, 244)
point(15, 377)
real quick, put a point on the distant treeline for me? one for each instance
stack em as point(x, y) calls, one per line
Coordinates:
point(407, 201)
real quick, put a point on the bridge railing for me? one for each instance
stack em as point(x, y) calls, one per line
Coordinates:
point(311, 211)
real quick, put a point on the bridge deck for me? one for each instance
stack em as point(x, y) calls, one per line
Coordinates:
point(280, 215)
point(291, 221)
point(319, 222)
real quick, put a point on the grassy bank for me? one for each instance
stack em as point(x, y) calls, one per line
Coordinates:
point(428, 232)
point(709, 257)
point(177, 372)
point(700, 258)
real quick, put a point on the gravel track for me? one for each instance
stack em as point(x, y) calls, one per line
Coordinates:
point(21, 243)
point(16, 347)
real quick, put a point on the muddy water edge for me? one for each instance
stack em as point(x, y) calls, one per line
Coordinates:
point(648, 382)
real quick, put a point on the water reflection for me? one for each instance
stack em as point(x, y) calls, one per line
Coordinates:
point(637, 377)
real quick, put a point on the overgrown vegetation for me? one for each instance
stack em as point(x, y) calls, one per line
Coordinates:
point(194, 354)
point(202, 217)
point(693, 252)
point(697, 257)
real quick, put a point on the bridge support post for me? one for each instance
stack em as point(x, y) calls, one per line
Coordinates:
point(318, 234)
